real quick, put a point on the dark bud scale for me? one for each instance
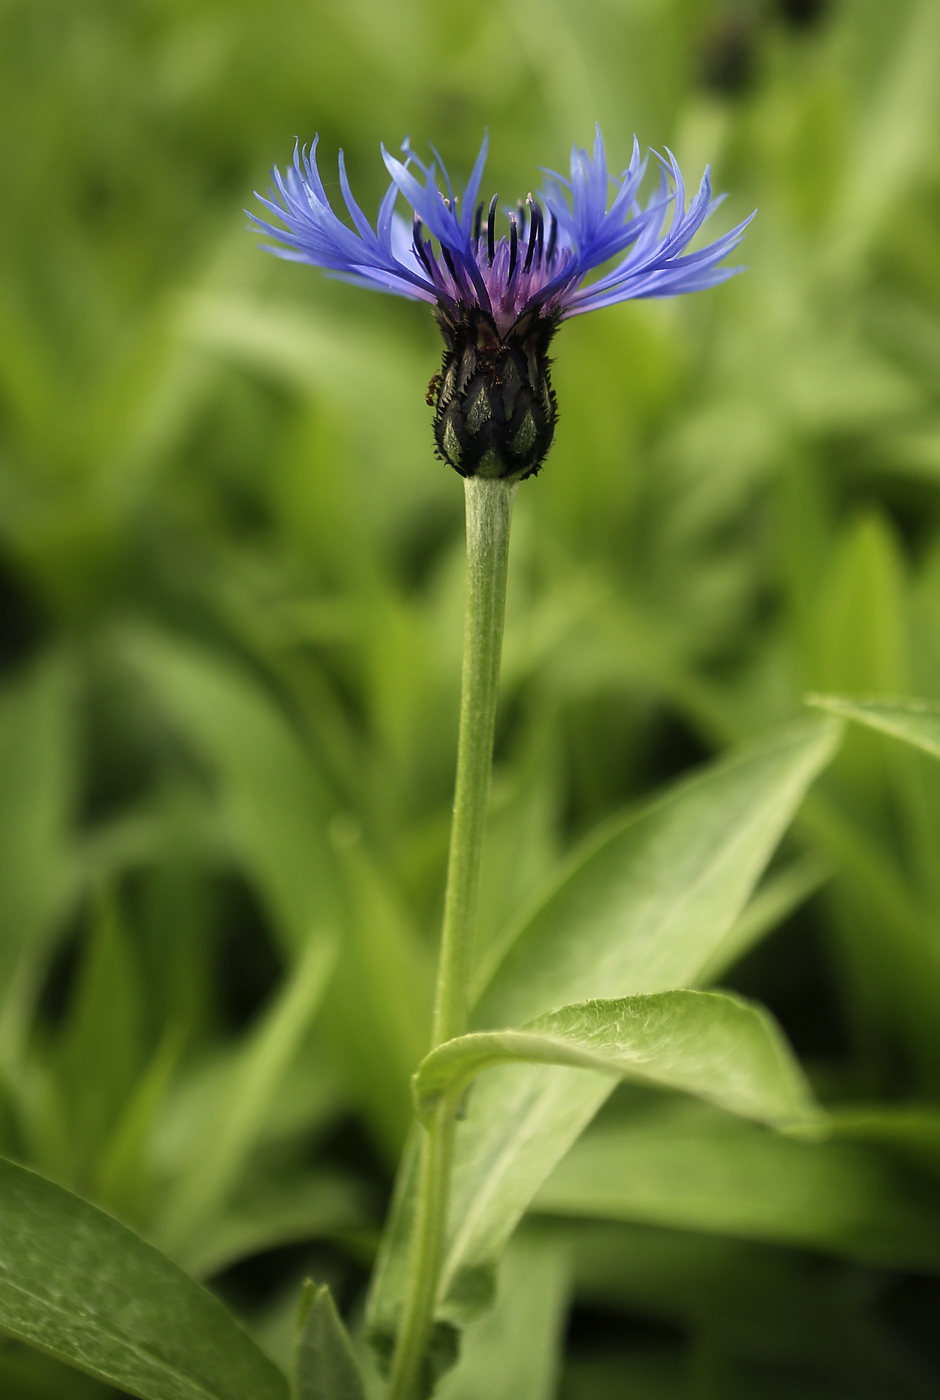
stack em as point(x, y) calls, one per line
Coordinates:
point(495, 407)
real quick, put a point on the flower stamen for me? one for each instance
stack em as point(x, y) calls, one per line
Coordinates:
point(420, 248)
point(552, 238)
point(491, 231)
point(534, 217)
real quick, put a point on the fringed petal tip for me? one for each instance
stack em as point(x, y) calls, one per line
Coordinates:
point(541, 268)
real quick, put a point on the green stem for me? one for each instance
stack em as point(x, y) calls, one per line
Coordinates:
point(489, 515)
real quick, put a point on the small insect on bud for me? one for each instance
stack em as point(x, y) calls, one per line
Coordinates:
point(495, 406)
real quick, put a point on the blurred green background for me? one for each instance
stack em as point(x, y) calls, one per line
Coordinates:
point(230, 630)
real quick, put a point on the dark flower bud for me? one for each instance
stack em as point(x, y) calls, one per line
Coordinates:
point(494, 402)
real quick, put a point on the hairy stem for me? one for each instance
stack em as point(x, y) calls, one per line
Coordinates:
point(489, 514)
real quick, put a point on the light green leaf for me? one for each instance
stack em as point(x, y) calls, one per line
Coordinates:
point(715, 1046)
point(320, 1205)
point(641, 908)
point(893, 136)
point(917, 722)
point(239, 1113)
point(325, 1367)
point(642, 904)
point(858, 618)
point(310, 353)
point(274, 801)
point(38, 873)
point(912, 1130)
point(79, 1285)
point(100, 1052)
point(680, 1164)
point(122, 1179)
point(378, 1017)
point(774, 901)
point(514, 1353)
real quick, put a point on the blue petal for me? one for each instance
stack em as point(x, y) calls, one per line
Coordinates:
point(473, 186)
point(427, 204)
point(355, 213)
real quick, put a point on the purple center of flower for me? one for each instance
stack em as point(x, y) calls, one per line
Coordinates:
point(515, 271)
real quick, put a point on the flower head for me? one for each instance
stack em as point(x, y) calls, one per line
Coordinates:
point(500, 299)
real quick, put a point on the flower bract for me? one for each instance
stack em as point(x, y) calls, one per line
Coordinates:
point(499, 296)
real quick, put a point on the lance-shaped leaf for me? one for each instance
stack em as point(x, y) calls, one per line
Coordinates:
point(515, 1352)
point(274, 802)
point(679, 1164)
point(38, 873)
point(232, 1129)
point(325, 1367)
point(915, 721)
point(641, 908)
point(715, 1046)
point(82, 1287)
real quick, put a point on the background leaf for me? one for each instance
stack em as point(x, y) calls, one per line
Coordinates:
point(514, 1352)
point(38, 869)
point(240, 1112)
point(682, 1165)
point(274, 800)
point(916, 721)
point(324, 1364)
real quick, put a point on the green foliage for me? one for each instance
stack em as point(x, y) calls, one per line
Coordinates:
point(230, 619)
point(76, 1283)
point(704, 1043)
point(640, 908)
point(239, 1108)
point(686, 1167)
point(514, 1353)
point(324, 1365)
point(916, 721)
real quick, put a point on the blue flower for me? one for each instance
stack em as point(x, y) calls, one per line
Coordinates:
point(499, 300)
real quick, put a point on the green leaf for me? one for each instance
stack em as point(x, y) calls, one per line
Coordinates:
point(715, 1046)
point(722, 1290)
point(641, 908)
point(79, 1285)
point(325, 1367)
point(643, 903)
point(911, 1130)
point(891, 134)
point(38, 873)
point(319, 1205)
point(274, 800)
point(238, 1114)
point(679, 1164)
point(774, 901)
point(917, 722)
point(123, 1177)
point(514, 1353)
point(378, 1016)
point(101, 1048)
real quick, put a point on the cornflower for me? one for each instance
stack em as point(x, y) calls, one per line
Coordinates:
point(499, 300)
point(498, 303)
